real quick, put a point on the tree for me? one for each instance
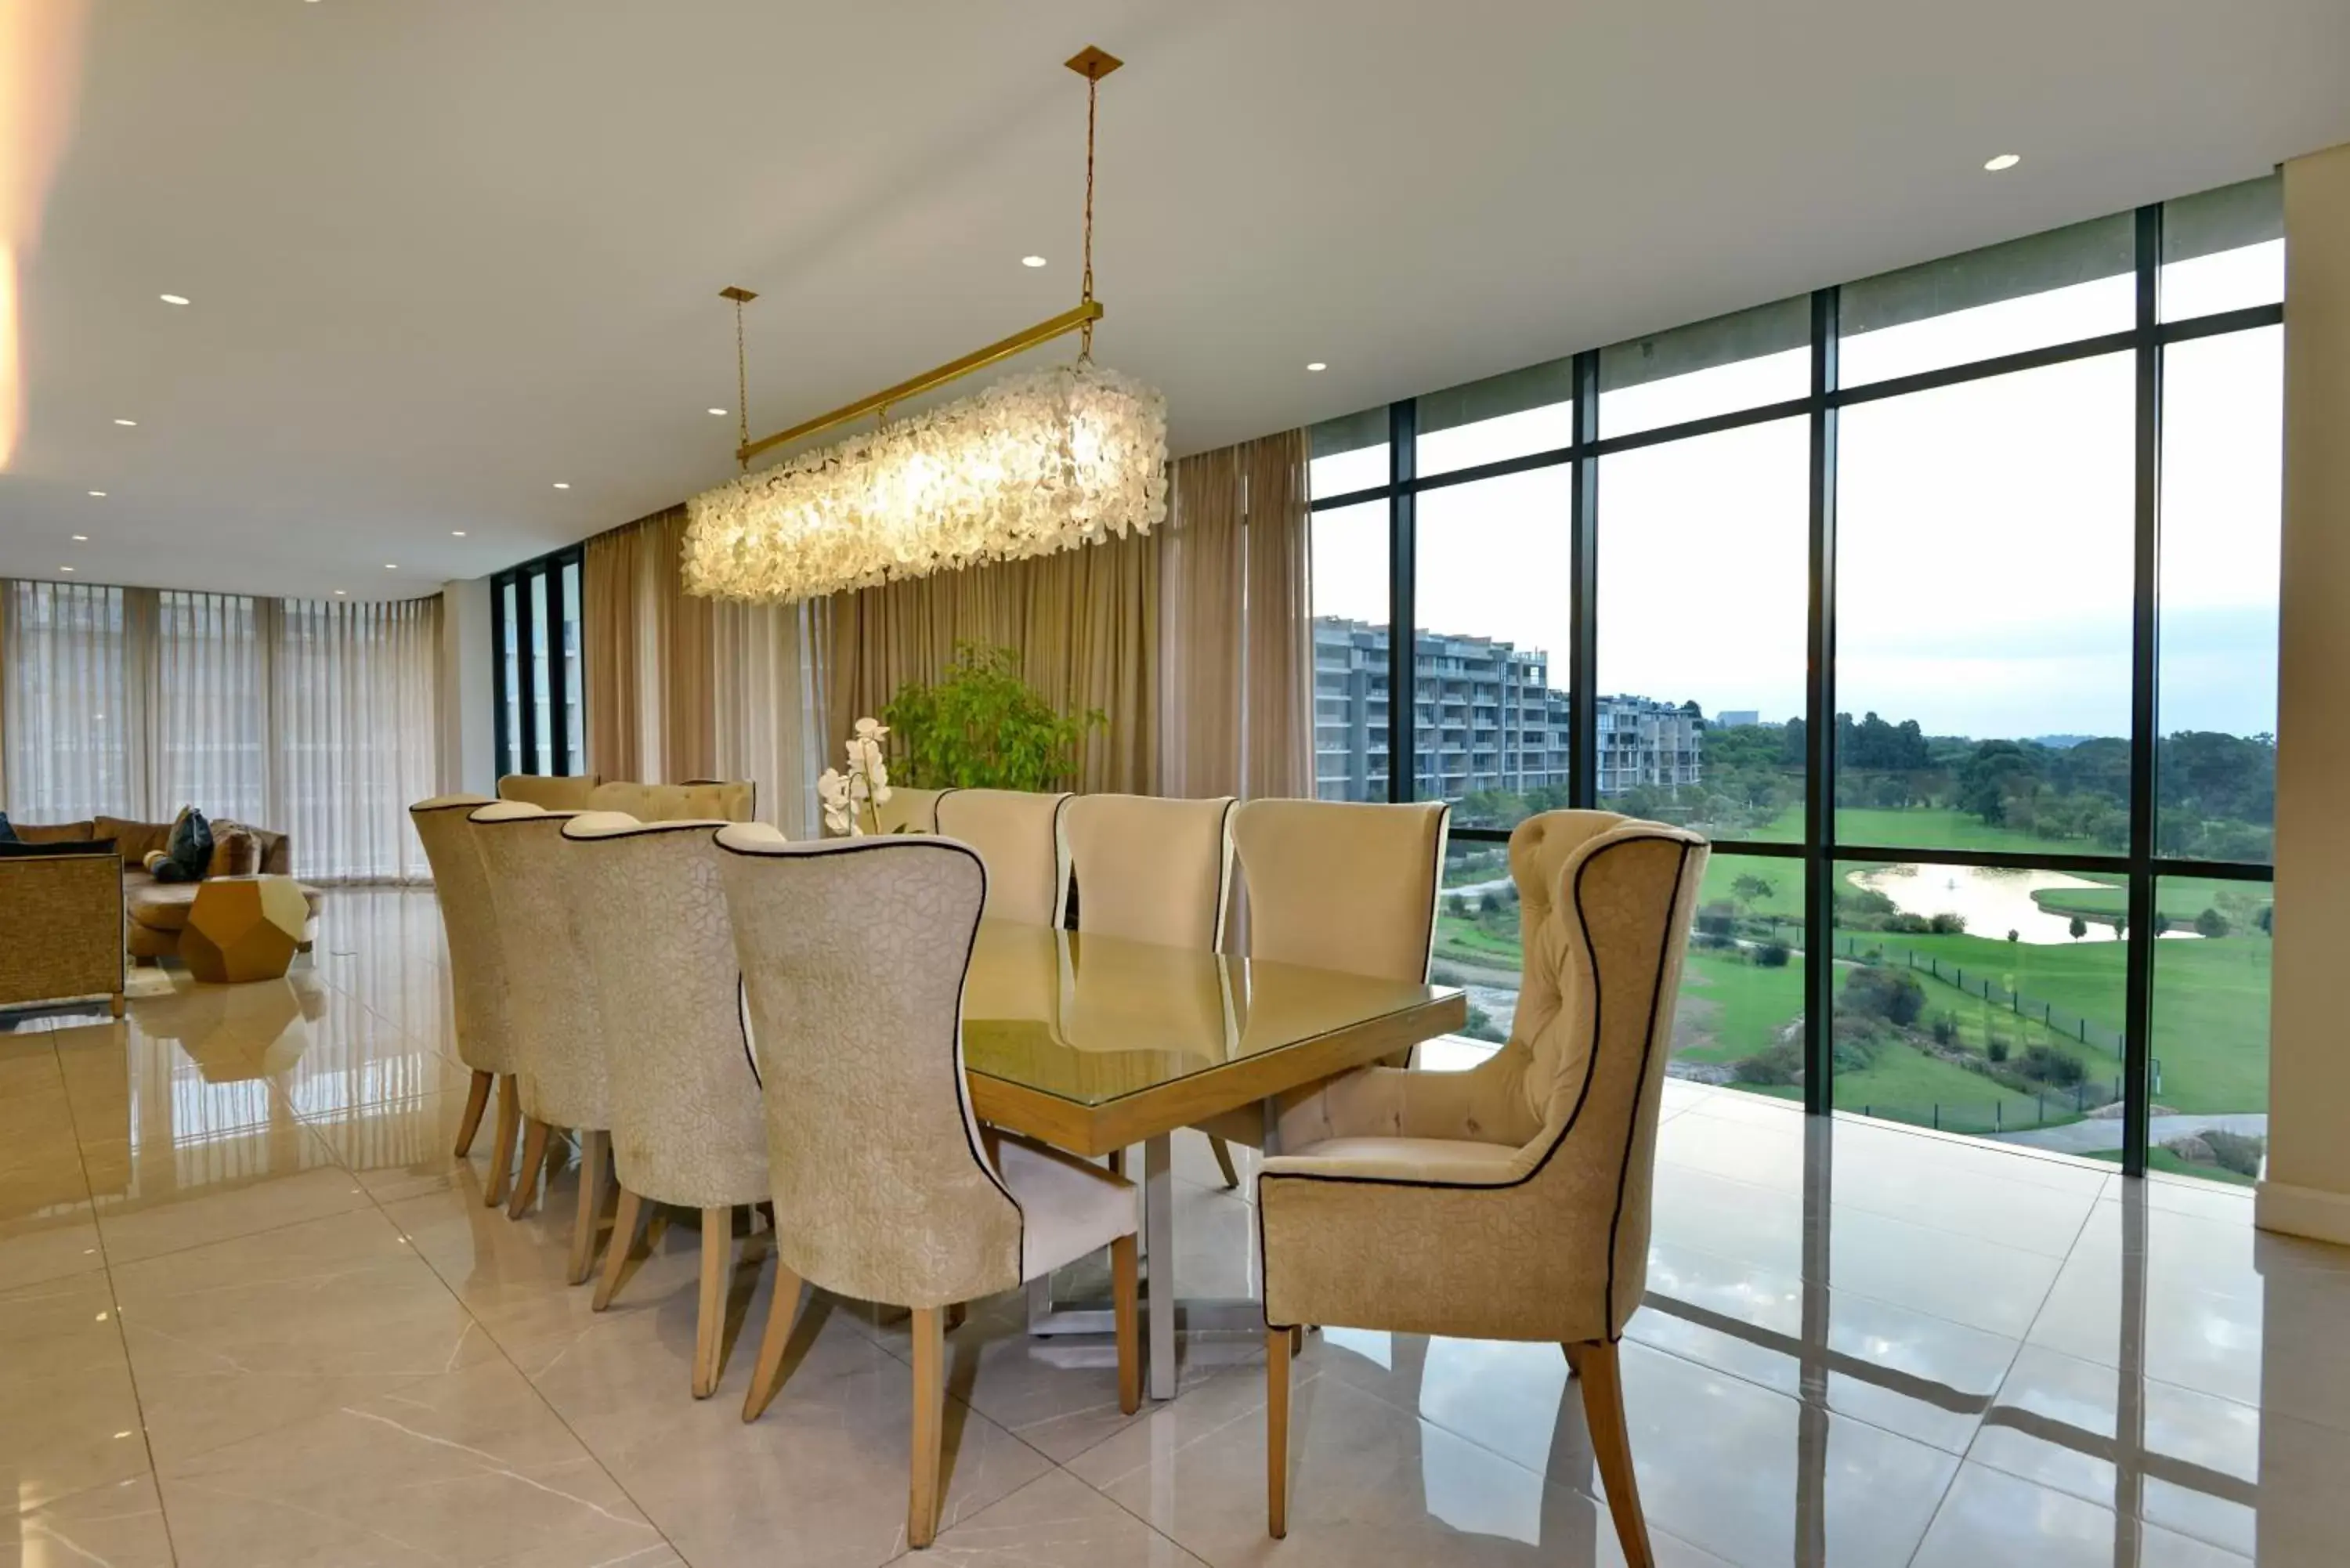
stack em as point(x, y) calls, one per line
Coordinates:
point(1999, 773)
point(2013, 935)
point(2266, 920)
point(1751, 889)
point(1891, 994)
point(2211, 923)
point(2078, 929)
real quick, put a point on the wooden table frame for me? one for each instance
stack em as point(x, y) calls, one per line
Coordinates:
point(1150, 1116)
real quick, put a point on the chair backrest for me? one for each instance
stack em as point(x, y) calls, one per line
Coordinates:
point(1605, 904)
point(550, 792)
point(477, 960)
point(911, 810)
point(687, 1128)
point(1149, 869)
point(854, 953)
point(1342, 885)
point(1018, 837)
point(703, 800)
point(551, 1008)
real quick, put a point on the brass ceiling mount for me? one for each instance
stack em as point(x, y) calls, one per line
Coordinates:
point(1092, 62)
point(739, 296)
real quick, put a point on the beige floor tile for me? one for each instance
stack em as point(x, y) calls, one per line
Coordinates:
point(463, 1468)
point(244, 1336)
point(1989, 1518)
point(1370, 1484)
point(297, 1182)
point(120, 1526)
point(1054, 1522)
point(402, 1148)
point(68, 1414)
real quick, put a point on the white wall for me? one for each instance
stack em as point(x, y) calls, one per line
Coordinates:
point(468, 739)
point(2308, 1187)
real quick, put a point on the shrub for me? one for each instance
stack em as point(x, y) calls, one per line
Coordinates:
point(1489, 904)
point(1773, 955)
point(1996, 1049)
point(1948, 925)
point(1480, 1027)
point(1946, 1029)
point(2239, 1152)
point(1779, 1064)
point(2211, 923)
point(2078, 929)
point(1718, 919)
point(1891, 994)
point(2052, 1066)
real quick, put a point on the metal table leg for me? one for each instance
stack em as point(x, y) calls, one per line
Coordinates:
point(1158, 1235)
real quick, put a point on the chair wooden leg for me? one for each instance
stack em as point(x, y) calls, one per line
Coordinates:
point(1611, 1445)
point(1117, 1162)
point(477, 1100)
point(930, 1416)
point(534, 1156)
point(782, 1314)
point(1277, 1432)
point(624, 1221)
point(1124, 1291)
point(1574, 1363)
point(595, 1154)
point(502, 1146)
point(1223, 1153)
point(710, 1316)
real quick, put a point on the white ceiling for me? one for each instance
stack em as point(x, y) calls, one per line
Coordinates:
point(445, 252)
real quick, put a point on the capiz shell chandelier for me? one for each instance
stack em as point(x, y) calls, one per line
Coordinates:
point(1044, 461)
point(1030, 466)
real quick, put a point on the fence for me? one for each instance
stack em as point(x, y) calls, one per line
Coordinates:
point(2012, 1112)
point(1979, 984)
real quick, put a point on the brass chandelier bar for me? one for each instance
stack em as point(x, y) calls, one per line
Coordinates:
point(1072, 320)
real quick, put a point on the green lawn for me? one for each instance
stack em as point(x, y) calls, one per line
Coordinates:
point(2164, 1160)
point(1734, 1009)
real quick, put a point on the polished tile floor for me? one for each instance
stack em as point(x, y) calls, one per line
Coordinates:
point(252, 1313)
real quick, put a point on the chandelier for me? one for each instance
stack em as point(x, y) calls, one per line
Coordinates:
point(1044, 461)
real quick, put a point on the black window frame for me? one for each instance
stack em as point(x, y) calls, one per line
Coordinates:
point(1820, 850)
point(538, 591)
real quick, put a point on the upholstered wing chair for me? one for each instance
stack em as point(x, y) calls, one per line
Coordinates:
point(1018, 835)
point(477, 975)
point(911, 810)
point(687, 1129)
point(552, 1007)
point(1510, 1201)
point(854, 953)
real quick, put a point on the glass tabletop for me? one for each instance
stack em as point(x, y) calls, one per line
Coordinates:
point(1091, 1019)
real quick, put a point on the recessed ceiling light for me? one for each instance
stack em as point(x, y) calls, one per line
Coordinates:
point(456, 532)
point(81, 538)
point(340, 593)
point(172, 298)
point(1032, 261)
point(99, 493)
point(560, 485)
point(1316, 365)
point(126, 422)
point(2004, 160)
point(388, 566)
point(720, 412)
point(65, 569)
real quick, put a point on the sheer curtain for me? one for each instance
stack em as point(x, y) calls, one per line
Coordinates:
point(763, 708)
point(319, 720)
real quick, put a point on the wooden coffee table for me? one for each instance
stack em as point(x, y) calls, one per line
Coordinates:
point(243, 928)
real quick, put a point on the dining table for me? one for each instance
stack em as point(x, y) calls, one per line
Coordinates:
point(1094, 1044)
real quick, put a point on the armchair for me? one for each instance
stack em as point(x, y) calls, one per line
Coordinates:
point(1511, 1201)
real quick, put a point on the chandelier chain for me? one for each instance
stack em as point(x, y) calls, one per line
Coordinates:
point(742, 390)
point(1086, 335)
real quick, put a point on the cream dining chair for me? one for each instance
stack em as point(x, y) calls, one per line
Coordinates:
point(1338, 885)
point(687, 1128)
point(477, 976)
point(1510, 1201)
point(854, 955)
point(911, 810)
point(1149, 869)
point(1018, 835)
point(553, 1008)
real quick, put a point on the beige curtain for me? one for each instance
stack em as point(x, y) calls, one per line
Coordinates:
point(764, 685)
point(1238, 673)
point(1085, 622)
point(649, 657)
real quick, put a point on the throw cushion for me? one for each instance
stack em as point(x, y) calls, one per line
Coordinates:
point(235, 851)
point(19, 848)
point(151, 860)
point(7, 834)
point(189, 853)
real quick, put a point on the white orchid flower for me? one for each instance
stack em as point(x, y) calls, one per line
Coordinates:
point(870, 730)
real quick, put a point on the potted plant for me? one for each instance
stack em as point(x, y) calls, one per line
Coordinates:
point(981, 726)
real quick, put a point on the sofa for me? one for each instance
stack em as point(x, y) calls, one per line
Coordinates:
point(155, 912)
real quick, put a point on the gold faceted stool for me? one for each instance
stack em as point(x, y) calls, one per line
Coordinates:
point(243, 928)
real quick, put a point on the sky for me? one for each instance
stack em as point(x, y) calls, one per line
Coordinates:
point(1984, 529)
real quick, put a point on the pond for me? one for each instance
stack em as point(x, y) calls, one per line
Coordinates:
point(1992, 902)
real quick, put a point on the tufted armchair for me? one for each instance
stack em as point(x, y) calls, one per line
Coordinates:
point(854, 953)
point(477, 975)
point(1018, 835)
point(558, 1034)
point(686, 1124)
point(1511, 1201)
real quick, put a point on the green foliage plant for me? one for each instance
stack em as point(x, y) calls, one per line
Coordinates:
point(981, 726)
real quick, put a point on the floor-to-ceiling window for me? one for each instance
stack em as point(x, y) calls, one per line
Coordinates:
point(1944, 602)
point(540, 716)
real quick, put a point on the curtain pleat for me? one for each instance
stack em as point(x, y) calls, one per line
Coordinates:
point(764, 709)
point(318, 720)
point(611, 630)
